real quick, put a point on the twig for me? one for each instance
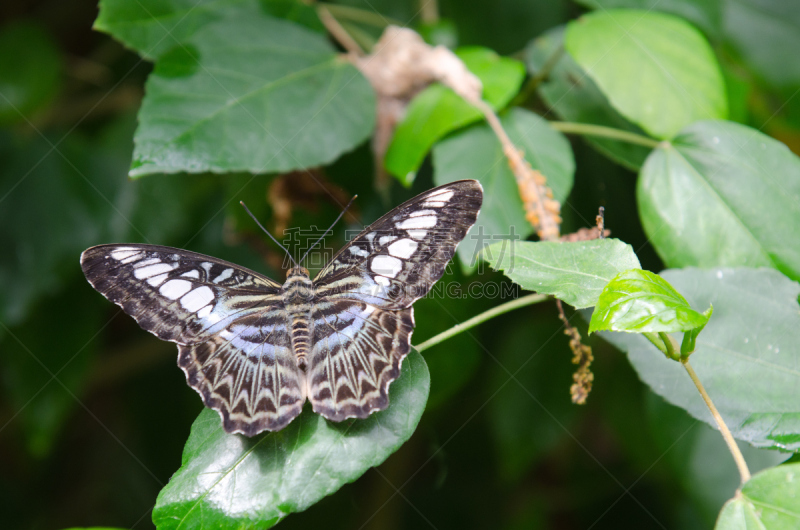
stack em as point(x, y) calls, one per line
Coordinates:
point(605, 132)
point(338, 32)
point(478, 319)
point(542, 210)
point(744, 472)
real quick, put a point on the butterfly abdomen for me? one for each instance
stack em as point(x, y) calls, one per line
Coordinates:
point(298, 292)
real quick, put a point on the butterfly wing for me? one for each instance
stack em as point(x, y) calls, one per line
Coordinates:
point(362, 319)
point(355, 355)
point(397, 259)
point(228, 321)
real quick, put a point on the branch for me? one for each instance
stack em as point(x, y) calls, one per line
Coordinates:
point(479, 319)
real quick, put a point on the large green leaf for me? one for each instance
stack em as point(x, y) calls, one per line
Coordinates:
point(745, 357)
point(573, 272)
point(572, 94)
point(29, 70)
point(230, 481)
point(770, 500)
point(656, 69)
point(437, 110)
point(723, 194)
point(640, 301)
point(477, 154)
point(239, 90)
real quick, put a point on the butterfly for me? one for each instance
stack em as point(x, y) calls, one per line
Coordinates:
point(256, 350)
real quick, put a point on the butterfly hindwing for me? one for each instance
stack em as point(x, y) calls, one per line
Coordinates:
point(356, 354)
point(398, 258)
point(228, 321)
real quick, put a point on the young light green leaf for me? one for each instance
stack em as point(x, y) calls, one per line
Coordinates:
point(745, 357)
point(573, 272)
point(477, 154)
point(638, 301)
point(572, 94)
point(230, 481)
point(722, 194)
point(437, 110)
point(656, 69)
point(770, 500)
point(29, 71)
point(235, 89)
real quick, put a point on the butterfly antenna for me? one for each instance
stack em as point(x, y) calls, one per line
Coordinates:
point(267, 232)
point(329, 229)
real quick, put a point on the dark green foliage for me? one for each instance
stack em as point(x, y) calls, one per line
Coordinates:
point(680, 117)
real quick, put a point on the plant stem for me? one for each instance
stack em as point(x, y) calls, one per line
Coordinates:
point(337, 30)
point(356, 14)
point(606, 132)
point(744, 472)
point(478, 319)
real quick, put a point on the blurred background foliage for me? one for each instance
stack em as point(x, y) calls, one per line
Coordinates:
point(94, 413)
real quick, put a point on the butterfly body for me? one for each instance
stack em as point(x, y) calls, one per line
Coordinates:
point(256, 350)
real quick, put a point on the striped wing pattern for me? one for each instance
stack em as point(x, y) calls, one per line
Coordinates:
point(233, 341)
point(255, 350)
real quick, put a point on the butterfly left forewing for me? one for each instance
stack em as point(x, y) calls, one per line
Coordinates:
point(228, 321)
point(398, 258)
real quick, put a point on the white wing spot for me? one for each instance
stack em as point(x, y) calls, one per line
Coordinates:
point(197, 299)
point(386, 265)
point(434, 204)
point(151, 270)
point(203, 313)
point(429, 221)
point(418, 234)
point(403, 248)
point(386, 239)
point(383, 280)
point(358, 251)
point(191, 274)
point(444, 195)
point(147, 262)
point(123, 252)
point(131, 259)
point(420, 213)
point(155, 281)
point(174, 289)
point(224, 275)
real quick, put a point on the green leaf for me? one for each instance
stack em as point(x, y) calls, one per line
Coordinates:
point(705, 14)
point(437, 110)
point(745, 356)
point(573, 272)
point(638, 301)
point(230, 481)
point(722, 194)
point(29, 71)
point(240, 90)
point(572, 94)
point(656, 69)
point(769, 501)
point(477, 154)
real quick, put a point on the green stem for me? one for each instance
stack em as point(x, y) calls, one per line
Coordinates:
point(605, 132)
point(360, 15)
point(744, 472)
point(478, 319)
